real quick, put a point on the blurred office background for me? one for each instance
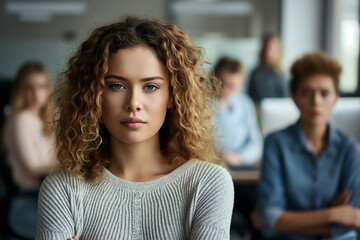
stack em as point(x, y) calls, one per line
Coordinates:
point(50, 31)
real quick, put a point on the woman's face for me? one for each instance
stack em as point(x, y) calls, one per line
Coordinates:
point(315, 97)
point(36, 90)
point(232, 83)
point(273, 51)
point(136, 95)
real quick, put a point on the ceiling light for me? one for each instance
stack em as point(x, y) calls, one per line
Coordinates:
point(44, 11)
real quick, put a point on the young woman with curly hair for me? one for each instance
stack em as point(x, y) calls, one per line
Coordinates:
point(310, 182)
point(135, 142)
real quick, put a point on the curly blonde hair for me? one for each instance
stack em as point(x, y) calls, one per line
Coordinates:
point(188, 129)
point(18, 101)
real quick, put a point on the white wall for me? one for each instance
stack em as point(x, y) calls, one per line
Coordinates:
point(22, 41)
point(301, 28)
point(52, 53)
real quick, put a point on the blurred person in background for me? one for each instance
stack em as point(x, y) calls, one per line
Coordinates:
point(310, 181)
point(29, 144)
point(240, 137)
point(267, 80)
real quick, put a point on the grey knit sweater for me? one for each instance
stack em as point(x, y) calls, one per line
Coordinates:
point(194, 201)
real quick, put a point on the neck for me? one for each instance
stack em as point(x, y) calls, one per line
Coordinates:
point(35, 111)
point(138, 162)
point(316, 136)
point(226, 101)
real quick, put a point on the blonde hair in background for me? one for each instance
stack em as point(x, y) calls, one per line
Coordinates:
point(276, 66)
point(17, 101)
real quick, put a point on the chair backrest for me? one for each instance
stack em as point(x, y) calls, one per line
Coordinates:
point(277, 113)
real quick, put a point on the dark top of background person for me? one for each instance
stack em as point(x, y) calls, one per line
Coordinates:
point(267, 80)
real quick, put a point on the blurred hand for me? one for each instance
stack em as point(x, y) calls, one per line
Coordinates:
point(73, 238)
point(231, 159)
point(346, 215)
point(341, 198)
point(255, 218)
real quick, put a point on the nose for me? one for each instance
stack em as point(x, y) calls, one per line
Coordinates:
point(316, 98)
point(133, 103)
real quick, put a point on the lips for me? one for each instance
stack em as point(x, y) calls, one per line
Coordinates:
point(133, 123)
point(315, 113)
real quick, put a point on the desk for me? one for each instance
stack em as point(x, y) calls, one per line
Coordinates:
point(245, 176)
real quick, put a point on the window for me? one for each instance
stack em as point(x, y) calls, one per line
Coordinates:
point(346, 43)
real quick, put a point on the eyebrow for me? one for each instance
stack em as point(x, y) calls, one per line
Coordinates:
point(125, 79)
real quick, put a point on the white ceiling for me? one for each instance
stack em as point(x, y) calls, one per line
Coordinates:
point(97, 13)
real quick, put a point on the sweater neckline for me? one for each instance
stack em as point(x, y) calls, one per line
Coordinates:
point(147, 185)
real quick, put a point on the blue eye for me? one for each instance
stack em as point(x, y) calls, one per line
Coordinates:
point(151, 87)
point(117, 86)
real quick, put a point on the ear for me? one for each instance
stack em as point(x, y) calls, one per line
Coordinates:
point(336, 99)
point(293, 97)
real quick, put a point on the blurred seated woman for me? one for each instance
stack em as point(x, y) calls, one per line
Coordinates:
point(310, 181)
point(29, 144)
point(241, 141)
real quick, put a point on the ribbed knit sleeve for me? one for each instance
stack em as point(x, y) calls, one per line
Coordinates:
point(214, 206)
point(59, 209)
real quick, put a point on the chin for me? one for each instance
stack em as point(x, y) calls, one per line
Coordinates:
point(134, 138)
point(314, 121)
point(318, 122)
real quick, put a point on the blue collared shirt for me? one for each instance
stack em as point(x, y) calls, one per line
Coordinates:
point(292, 178)
point(238, 129)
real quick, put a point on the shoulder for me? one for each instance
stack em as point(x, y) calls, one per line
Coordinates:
point(23, 116)
point(62, 181)
point(245, 99)
point(212, 184)
point(345, 141)
point(284, 134)
point(205, 167)
point(344, 137)
point(256, 71)
point(210, 174)
point(24, 120)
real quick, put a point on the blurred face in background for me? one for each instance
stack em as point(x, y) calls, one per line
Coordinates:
point(232, 83)
point(273, 51)
point(315, 97)
point(36, 90)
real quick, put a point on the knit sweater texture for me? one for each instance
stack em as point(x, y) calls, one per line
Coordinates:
point(194, 201)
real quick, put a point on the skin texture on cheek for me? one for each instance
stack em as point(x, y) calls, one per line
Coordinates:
point(36, 90)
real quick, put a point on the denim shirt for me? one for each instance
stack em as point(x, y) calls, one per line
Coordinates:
point(292, 178)
point(238, 129)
